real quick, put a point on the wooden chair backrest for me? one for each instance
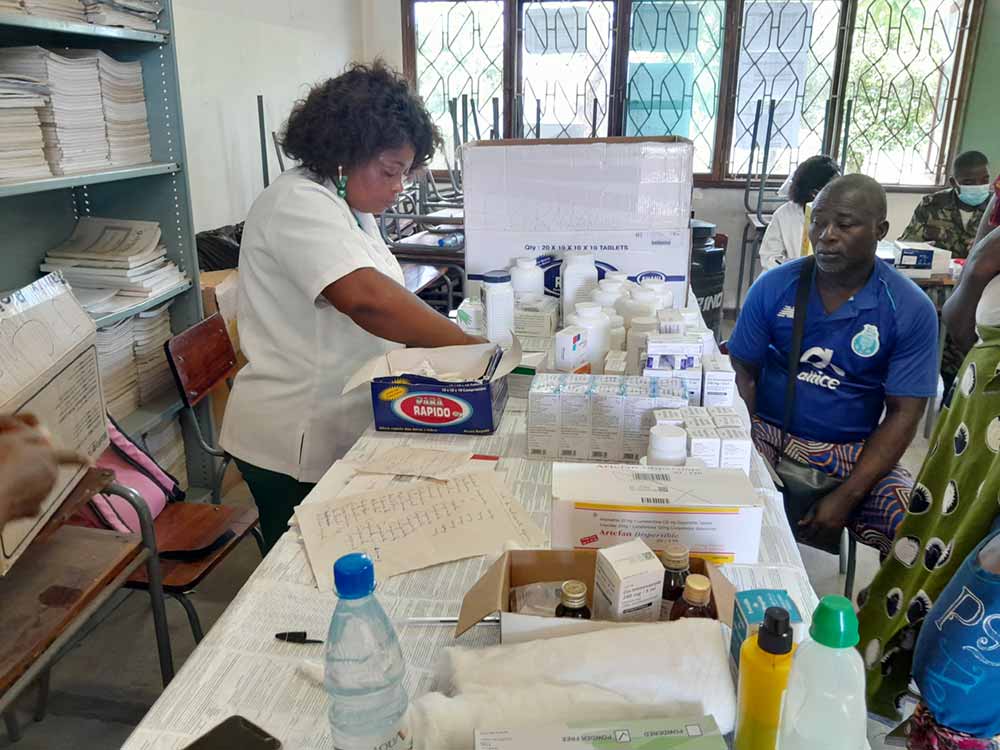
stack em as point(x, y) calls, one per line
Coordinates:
point(201, 357)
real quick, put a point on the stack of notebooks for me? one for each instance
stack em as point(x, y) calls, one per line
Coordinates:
point(64, 10)
point(134, 14)
point(152, 330)
point(73, 125)
point(124, 102)
point(116, 362)
point(22, 147)
point(115, 255)
point(166, 444)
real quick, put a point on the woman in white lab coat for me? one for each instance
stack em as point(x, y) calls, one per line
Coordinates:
point(783, 238)
point(320, 293)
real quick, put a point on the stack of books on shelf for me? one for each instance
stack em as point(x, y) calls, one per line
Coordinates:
point(116, 363)
point(124, 102)
point(115, 255)
point(64, 10)
point(165, 443)
point(11, 6)
point(22, 147)
point(133, 14)
point(73, 125)
point(152, 330)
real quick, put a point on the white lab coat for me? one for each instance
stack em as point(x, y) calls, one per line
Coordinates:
point(783, 236)
point(286, 412)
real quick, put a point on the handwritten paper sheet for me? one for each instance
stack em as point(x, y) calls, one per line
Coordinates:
point(416, 526)
point(416, 462)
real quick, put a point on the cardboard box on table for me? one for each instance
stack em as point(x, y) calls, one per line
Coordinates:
point(627, 200)
point(48, 367)
point(467, 398)
point(491, 593)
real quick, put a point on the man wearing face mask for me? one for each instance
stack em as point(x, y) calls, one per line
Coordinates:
point(949, 219)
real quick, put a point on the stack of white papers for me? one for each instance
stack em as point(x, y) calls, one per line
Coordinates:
point(73, 126)
point(65, 10)
point(11, 6)
point(22, 154)
point(116, 362)
point(22, 91)
point(152, 330)
point(135, 14)
point(124, 103)
point(165, 444)
point(120, 255)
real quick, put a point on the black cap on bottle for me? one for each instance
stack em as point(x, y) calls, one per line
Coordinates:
point(775, 634)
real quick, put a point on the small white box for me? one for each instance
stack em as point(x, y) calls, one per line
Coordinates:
point(707, 338)
point(736, 449)
point(720, 381)
point(674, 352)
point(607, 419)
point(616, 363)
point(704, 443)
point(721, 411)
point(672, 417)
point(543, 416)
point(729, 421)
point(574, 420)
point(669, 393)
point(639, 404)
point(695, 411)
point(692, 381)
point(539, 317)
point(699, 422)
point(671, 321)
point(628, 583)
point(570, 350)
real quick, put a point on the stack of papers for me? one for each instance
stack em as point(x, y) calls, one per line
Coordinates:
point(73, 126)
point(116, 362)
point(135, 14)
point(152, 330)
point(22, 149)
point(65, 10)
point(22, 91)
point(11, 6)
point(124, 103)
point(120, 255)
point(165, 444)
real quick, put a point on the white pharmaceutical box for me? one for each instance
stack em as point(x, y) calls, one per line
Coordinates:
point(674, 352)
point(694, 411)
point(639, 404)
point(628, 583)
point(574, 420)
point(616, 363)
point(607, 419)
point(727, 421)
point(721, 411)
point(692, 382)
point(538, 317)
point(670, 394)
point(707, 338)
point(672, 417)
point(671, 321)
point(735, 449)
point(698, 421)
point(543, 417)
point(704, 443)
point(569, 350)
point(714, 512)
point(719, 381)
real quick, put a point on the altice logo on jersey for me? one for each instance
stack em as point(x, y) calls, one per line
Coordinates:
point(820, 358)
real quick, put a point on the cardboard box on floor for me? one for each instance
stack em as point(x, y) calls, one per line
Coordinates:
point(627, 200)
point(48, 367)
point(219, 294)
point(491, 593)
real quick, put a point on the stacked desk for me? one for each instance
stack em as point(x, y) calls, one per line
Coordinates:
point(241, 669)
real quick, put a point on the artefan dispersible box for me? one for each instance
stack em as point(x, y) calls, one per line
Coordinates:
point(714, 512)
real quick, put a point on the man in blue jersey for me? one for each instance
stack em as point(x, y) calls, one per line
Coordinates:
point(869, 348)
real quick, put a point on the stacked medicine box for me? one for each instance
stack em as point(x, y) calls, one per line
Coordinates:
point(717, 435)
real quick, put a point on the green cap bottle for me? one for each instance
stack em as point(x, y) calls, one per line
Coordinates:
point(834, 623)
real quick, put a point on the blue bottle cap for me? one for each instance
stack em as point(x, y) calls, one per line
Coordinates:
point(354, 576)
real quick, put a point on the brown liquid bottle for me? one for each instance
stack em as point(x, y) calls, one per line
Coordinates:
point(677, 561)
point(696, 600)
point(574, 601)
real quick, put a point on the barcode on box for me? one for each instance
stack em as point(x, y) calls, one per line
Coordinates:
point(655, 501)
point(567, 452)
point(650, 476)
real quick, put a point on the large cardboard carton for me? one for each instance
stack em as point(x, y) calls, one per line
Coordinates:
point(48, 367)
point(627, 200)
point(491, 593)
point(715, 513)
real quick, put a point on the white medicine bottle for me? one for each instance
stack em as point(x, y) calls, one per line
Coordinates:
point(577, 280)
point(590, 317)
point(497, 296)
point(526, 277)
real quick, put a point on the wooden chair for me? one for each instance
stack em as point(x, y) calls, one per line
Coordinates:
point(195, 537)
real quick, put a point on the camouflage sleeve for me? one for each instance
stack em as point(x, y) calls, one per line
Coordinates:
point(915, 229)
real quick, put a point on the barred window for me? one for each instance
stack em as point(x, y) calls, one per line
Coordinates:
point(878, 89)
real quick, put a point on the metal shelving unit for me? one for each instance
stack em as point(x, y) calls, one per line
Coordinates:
point(148, 304)
point(37, 215)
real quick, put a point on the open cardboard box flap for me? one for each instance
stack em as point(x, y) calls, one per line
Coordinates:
point(491, 593)
point(469, 361)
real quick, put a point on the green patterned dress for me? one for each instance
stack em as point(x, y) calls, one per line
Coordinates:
point(952, 507)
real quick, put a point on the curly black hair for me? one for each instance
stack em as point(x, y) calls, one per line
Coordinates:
point(811, 176)
point(348, 120)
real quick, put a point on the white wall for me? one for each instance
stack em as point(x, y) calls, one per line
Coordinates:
point(228, 52)
point(382, 29)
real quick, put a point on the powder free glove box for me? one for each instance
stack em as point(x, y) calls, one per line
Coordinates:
point(699, 733)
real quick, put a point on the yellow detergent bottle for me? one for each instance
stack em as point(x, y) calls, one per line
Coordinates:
point(765, 661)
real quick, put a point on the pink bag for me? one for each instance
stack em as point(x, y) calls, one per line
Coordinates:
point(133, 468)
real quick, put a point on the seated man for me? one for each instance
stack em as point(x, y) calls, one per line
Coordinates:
point(869, 345)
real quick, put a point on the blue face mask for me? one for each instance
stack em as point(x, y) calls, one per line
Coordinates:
point(974, 195)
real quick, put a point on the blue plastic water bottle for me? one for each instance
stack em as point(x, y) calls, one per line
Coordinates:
point(364, 665)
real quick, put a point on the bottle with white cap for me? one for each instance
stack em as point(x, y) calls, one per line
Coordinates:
point(667, 446)
point(635, 343)
point(664, 297)
point(497, 295)
point(590, 317)
point(618, 332)
point(619, 276)
point(606, 297)
point(577, 280)
point(526, 277)
point(642, 304)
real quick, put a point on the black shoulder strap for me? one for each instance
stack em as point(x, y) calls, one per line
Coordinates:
point(795, 350)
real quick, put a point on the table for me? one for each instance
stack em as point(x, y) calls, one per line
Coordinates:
point(239, 668)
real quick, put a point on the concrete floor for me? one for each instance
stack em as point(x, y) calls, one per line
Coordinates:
point(104, 686)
